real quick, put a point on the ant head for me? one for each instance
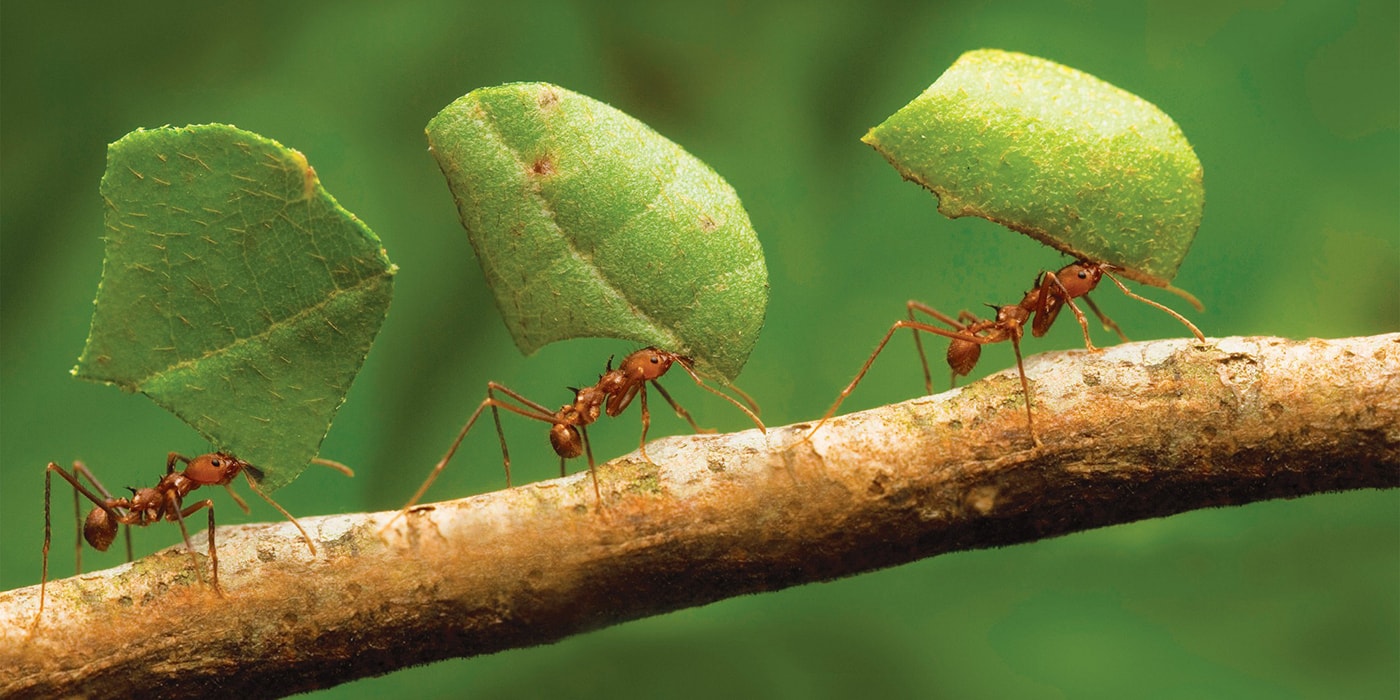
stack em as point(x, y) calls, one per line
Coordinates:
point(1081, 278)
point(214, 468)
point(100, 529)
point(648, 363)
point(566, 440)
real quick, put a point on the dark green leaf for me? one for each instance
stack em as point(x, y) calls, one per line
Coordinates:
point(589, 224)
point(236, 292)
point(1054, 153)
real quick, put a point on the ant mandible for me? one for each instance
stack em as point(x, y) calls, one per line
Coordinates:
point(1041, 306)
point(164, 501)
point(568, 434)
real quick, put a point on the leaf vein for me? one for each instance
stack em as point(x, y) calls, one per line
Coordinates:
point(583, 258)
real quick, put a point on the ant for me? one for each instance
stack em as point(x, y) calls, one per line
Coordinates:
point(568, 434)
point(1041, 306)
point(164, 501)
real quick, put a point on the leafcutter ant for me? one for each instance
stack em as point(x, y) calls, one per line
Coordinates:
point(164, 501)
point(568, 434)
point(1040, 306)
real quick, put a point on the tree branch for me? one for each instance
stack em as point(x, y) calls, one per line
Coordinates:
point(1139, 431)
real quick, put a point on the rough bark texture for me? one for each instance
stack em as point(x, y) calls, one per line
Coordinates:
point(1138, 431)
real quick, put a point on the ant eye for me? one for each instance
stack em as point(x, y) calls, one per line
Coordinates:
point(655, 359)
point(216, 463)
point(1083, 274)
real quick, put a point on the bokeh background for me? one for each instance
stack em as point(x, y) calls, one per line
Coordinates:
point(1293, 108)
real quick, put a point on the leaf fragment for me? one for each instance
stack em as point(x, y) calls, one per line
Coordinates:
point(236, 293)
point(587, 223)
point(1055, 153)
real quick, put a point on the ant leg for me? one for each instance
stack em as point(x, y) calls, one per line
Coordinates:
point(172, 504)
point(530, 410)
point(1194, 330)
point(743, 396)
point(172, 458)
point(347, 471)
point(236, 498)
point(593, 468)
point(964, 317)
point(646, 424)
point(44, 576)
point(753, 415)
point(911, 306)
point(172, 508)
point(1108, 323)
point(1069, 301)
point(254, 486)
point(679, 410)
point(1188, 296)
point(78, 488)
point(919, 345)
point(1083, 323)
point(878, 348)
point(81, 469)
point(78, 523)
point(1025, 388)
point(500, 433)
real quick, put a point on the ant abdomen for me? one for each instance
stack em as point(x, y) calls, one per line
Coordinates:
point(565, 440)
point(100, 529)
point(963, 356)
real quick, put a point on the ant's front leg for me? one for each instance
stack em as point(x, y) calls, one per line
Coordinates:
point(1107, 322)
point(680, 411)
point(172, 458)
point(1069, 301)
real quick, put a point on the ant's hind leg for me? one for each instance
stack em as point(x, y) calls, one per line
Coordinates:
point(81, 469)
point(44, 575)
point(878, 349)
point(911, 306)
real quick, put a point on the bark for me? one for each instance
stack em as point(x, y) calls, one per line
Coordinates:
point(1139, 431)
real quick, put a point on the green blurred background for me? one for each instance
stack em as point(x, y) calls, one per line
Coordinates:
point(1292, 106)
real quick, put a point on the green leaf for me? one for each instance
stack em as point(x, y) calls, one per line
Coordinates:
point(1054, 153)
point(589, 224)
point(236, 292)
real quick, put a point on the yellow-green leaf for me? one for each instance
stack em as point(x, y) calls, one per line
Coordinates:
point(589, 224)
point(1054, 153)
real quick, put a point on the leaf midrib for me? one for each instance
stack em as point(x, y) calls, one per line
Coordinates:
point(674, 343)
point(291, 321)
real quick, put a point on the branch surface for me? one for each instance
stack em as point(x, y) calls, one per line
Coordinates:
point(1139, 431)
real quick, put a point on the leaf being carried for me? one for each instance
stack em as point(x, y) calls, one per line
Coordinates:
point(589, 224)
point(1054, 153)
point(236, 292)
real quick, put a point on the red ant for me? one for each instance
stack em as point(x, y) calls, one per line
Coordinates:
point(1041, 305)
point(568, 434)
point(164, 501)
